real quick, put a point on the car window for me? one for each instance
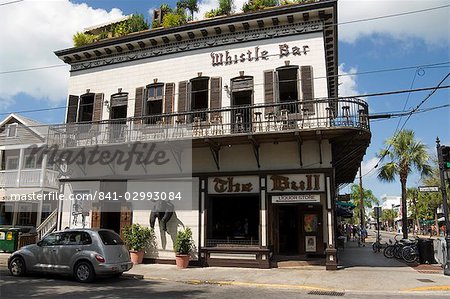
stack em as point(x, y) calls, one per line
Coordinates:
point(110, 238)
point(51, 240)
point(85, 239)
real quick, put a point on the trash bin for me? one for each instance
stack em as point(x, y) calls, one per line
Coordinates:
point(9, 238)
point(426, 251)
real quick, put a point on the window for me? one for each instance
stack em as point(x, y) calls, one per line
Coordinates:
point(25, 215)
point(86, 108)
point(110, 238)
point(75, 238)
point(6, 214)
point(199, 96)
point(234, 220)
point(51, 240)
point(11, 130)
point(12, 163)
point(288, 87)
point(154, 103)
point(32, 163)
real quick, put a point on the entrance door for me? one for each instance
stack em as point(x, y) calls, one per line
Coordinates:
point(288, 228)
point(118, 126)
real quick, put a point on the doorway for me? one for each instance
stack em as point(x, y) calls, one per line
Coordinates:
point(288, 227)
point(110, 220)
point(241, 116)
point(119, 115)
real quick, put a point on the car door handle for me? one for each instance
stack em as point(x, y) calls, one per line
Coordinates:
point(78, 249)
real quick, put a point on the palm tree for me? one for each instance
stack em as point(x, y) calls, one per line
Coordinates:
point(368, 198)
point(404, 154)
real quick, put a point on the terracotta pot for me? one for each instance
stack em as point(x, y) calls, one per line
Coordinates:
point(182, 260)
point(137, 256)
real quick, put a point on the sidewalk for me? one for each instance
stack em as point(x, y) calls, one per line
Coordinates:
point(362, 271)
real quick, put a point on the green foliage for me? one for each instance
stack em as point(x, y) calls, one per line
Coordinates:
point(138, 237)
point(184, 243)
point(174, 19)
point(190, 5)
point(389, 217)
point(369, 200)
point(136, 23)
point(81, 39)
point(225, 8)
point(253, 5)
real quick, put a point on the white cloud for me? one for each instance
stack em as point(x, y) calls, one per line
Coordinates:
point(32, 31)
point(368, 167)
point(431, 26)
point(347, 84)
point(206, 5)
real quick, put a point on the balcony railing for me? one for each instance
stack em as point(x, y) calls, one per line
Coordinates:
point(28, 178)
point(251, 119)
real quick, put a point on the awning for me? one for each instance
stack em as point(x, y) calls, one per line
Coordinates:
point(345, 204)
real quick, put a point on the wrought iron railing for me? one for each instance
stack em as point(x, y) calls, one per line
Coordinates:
point(251, 119)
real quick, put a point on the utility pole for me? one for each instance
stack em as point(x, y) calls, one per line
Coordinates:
point(361, 212)
point(444, 203)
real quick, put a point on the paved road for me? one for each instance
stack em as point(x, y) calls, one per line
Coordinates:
point(56, 287)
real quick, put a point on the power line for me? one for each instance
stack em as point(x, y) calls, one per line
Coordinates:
point(336, 98)
point(11, 2)
point(409, 116)
point(393, 15)
point(32, 69)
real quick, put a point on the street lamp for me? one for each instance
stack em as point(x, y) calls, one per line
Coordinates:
point(444, 204)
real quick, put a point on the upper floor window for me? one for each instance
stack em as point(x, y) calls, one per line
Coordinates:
point(288, 86)
point(12, 163)
point(154, 103)
point(31, 162)
point(11, 130)
point(86, 107)
point(199, 93)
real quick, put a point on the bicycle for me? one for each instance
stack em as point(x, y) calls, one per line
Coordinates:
point(377, 245)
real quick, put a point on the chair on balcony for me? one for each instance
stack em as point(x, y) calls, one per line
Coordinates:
point(257, 120)
point(305, 118)
point(217, 125)
point(346, 116)
point(271, 122)
point(178, 128)
point(363, 118)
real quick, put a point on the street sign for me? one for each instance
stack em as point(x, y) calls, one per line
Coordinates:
point(344, 197)
point(429, 189)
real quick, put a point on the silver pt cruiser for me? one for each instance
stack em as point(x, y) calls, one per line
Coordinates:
point(83, 253)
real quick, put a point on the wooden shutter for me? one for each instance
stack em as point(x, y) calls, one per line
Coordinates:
point(139, 104)
point(169, 94)
point(216, 94)
point(307, 87)
point(98, 107)
point(96, 216)
point(125, 217)
point(268, 90)
point(72, 109)
point(182, 98)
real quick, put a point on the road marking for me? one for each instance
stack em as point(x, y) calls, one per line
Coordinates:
point(429, 288)
point(246, 284)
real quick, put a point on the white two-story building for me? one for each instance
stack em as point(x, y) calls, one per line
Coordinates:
point(237, 116)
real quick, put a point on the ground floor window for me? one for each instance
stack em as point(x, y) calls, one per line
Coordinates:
point(233, 220)
point(6, 214)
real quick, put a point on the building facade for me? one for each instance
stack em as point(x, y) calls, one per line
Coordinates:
point(24, 173)
point(240, 113)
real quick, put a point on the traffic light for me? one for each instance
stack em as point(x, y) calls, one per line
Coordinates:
point(445, 151)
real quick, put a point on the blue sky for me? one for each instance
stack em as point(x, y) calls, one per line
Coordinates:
point(35, 29)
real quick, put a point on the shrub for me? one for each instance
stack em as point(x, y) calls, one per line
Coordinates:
point(184, 243)
point(138, 237)
point(81, 39)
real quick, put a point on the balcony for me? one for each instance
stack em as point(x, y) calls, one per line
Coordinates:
point(343, 122)
point(213, 123)
point(28, 178)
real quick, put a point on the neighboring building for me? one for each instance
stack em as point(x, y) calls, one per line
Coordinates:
point(391, 202)
point(244, 109)
point(24, 174)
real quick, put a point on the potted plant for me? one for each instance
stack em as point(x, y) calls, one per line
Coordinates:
point(183, 247)
point(137, 238)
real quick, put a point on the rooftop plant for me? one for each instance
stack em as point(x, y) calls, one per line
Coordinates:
point(253, 5)
point(225, 8)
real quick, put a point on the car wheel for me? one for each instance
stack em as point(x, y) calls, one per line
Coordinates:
point(117, 274)
point(17, 266)
point(84, 272)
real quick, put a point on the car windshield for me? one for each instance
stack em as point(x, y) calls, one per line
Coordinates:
point(110, 238)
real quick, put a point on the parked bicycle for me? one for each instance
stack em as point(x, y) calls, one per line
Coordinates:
point(377, 246)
